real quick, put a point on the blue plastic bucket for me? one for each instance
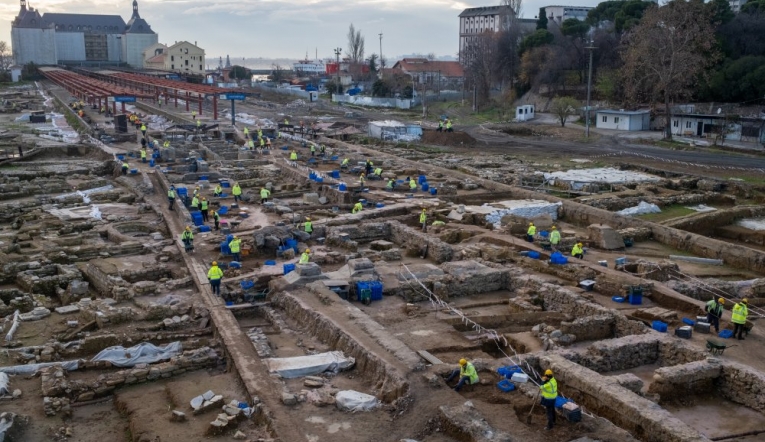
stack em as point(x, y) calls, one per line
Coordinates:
point(312, 176)
point(425, 187)
point(335, 174)
point(151, 162)
point(225, 184)
point(533, 255)
point(505, 385)
point(342, 187)
point(422, 179)
point(270, 262)
point(433, 191)
point(288, 268)
point(121, 157)
point(222, 210)
point(379, 205)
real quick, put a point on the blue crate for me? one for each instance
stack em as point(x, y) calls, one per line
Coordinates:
point(235, 265)
point(288, 268)
point(375, 286)
point(558, 258)
point(507, 371)
point(224, 248)
point(222, 210)
point(635, 299)
point(617, 299)
point(422, 179)
point(269, 263)
point(433, 191)
point(225, 184)
point(689, 321)
point(559, 401)
point(505, 385)
point(247, 284)
point(204, 229)
point(659, 326)
point(533, 254)
point(725, 334)
point(181, 191)
point(425, 187)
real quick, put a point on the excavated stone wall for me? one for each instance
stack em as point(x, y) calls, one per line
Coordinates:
point(741, 384)
point(605, 397)
point(406, 236)
point(679, 381)
point(388, 381)
point(706, 223)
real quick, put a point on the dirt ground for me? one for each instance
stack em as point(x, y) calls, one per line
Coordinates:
point(456, 138)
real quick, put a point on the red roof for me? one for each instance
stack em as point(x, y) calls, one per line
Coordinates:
point(160, 58)
point(447, 68)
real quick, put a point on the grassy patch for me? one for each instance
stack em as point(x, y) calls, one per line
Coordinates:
point(674, 211)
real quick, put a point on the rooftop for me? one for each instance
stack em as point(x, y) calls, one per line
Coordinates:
point(623, 112)
point(112, 24)
point(446, 68)
point(483, 10)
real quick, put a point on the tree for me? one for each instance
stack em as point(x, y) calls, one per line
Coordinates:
point(6, 58)
point(373, 63)
point(540, 37)
point(380, 89)
point(562, 107)
point(333, 87)
point(239, 73)
point(572, 27)
point(277, 73)
point(355, 49)
point(720, 11)
point(754, 7)
point(668, 53)
point(623, 14)
point(738, 80)
point(479, 65)
point(542, 19)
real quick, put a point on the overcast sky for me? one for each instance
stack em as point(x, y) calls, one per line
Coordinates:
point(289, 28)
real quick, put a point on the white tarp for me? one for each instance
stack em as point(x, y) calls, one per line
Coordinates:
point(752, 223)
point(641, 209)
point(4, 381)
point(33, 368)
point(143, 353)
point(300, 366)
point(351, 400)
point(599, 175)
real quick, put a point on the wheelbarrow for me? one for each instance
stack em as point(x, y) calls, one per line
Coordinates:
point(717, 348)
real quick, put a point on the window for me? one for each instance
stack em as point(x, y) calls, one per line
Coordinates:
point(676, 123)
point(172, 58)
point(616, 120)
point(200, 67)
point(687, 124)
point(187, 62)
point(605, 118)
point(172, 66)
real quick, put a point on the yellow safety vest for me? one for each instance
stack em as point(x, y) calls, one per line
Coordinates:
point(555, 237)
point(194, 202)
point(187, 234)
point(412, 184)
point(218, 190)
point(740, 312)
point(532, 230)
point(357, 208)
point(264, 193)
point(549, 389)
point(203, 203)
point(577, 251)
point(469, 371)
point(423, 217)
point(304, 258)
point(293, 156)
point(214, 273)
point(308, 226)
point(236, 190)
point(143, 153)
point(171, 193)
point(234, 245)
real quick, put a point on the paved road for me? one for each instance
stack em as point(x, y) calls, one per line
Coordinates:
point(610, 146)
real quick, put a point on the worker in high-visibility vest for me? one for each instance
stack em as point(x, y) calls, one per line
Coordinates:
point(293, 155)
point(412, 185)
point(738, 318)
point(237, 192)
point(305, 257)
point(344, 164)
point(246, 132)
point(264, 194)
point(235, 245)
point(358, 207)
point(530, 232)
point(214, 275)
point(554, 238)
point(203, 206)
point(548, 389)
point(143, 154)
point(308, 225)
point(424, 220)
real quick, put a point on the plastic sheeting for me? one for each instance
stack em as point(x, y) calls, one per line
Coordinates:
point(299, 366)
point(33, 368)
point(14, 326)
point(4, 381)
point(351, 400)
point(641, 209)
point(143, 353)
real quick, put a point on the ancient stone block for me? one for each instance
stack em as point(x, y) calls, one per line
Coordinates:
point(605, 237)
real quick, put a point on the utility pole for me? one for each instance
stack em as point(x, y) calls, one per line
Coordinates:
point(381, 62)
point(589, 87)
point(338, 51)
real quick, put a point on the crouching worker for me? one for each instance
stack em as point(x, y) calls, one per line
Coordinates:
point(466, 373)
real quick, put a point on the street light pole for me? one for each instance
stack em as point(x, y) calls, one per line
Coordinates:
point(338, 51)
point(381, 62)
point(589, 87)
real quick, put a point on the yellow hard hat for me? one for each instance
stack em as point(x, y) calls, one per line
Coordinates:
point(424, 209)
point(579, 244)
point(308, 250)
point(307, 218)
point(463, 361)
point(721, 301)
point(197, 187)
point(745, 301)
point(548, 372)
point(188, 227)
point(215, 263)
point(531, 224)
point(553, 227)
point(204, 199)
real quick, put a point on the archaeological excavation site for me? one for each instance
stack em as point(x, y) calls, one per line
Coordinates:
point(165, 276)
